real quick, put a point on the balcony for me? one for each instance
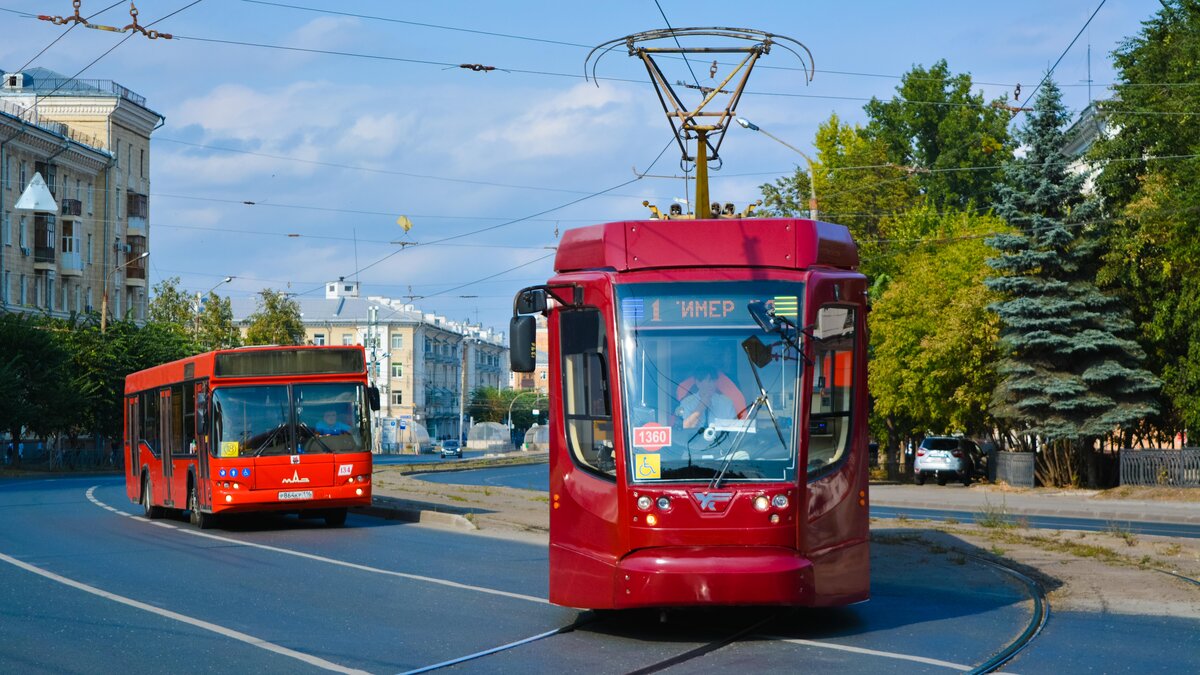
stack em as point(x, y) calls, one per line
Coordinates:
point(70, 264)
point(71, 207)
point(135, 269)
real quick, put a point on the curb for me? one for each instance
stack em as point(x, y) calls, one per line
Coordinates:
point(420, 516)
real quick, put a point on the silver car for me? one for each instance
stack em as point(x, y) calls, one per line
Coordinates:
point(946, 457)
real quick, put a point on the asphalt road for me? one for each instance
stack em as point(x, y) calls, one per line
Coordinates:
point(86, 585)
point(537, 476)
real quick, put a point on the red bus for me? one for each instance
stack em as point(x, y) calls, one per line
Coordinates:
point(251, 429)
point(708, 428)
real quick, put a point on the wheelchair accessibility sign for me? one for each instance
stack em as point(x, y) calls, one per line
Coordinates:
point(646, 466)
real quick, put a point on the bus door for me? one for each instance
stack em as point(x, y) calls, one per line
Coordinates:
point(166, 436)
point(132, 431)
point(201, 435)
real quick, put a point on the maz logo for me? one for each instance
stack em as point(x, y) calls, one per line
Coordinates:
point(710, 500)
point(295, 478)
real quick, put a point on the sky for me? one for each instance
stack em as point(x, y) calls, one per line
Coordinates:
point(337, 118)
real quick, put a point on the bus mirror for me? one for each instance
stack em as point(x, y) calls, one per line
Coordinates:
point(201, 413)
point(758, 353)
point(522, 346)
point(530, 301)
point(373, 397)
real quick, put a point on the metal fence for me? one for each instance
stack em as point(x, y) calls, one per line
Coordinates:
point(1171, 468)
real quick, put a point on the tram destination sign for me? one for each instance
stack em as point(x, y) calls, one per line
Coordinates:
point(652, 311)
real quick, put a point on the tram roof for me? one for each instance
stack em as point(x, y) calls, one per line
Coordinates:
point(789, 243)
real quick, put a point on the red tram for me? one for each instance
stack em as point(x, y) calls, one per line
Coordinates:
point(251, 429)
point(708, 429)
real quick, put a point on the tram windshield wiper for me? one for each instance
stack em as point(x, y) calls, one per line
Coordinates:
point(759, 355)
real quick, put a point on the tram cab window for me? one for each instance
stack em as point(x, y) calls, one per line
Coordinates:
point(832, 386)
point(587, 404)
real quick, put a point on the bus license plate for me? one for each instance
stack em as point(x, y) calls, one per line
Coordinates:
point(298, 494)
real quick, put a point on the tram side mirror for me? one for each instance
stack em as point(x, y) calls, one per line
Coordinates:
point(758, 353)
point(373, 397)
point(522, 345)
point(762, 316)
point(530, 301)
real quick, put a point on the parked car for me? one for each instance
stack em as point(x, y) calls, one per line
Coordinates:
point(946, 457)
point(451, 449)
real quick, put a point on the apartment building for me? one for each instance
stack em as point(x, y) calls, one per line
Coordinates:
point(89, 140)
point(424, 365)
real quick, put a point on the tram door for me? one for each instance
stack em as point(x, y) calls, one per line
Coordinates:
point(584, 532)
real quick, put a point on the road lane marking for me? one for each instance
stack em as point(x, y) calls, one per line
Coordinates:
point(198, 623)
point(332, 561)
point(870, 652)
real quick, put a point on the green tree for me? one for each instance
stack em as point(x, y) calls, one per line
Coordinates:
point(214, 327)
point(39, 394)
point(1150, 182)
point(1070, 374)
point(276, 321)
point(935, 123)
point(933, 340)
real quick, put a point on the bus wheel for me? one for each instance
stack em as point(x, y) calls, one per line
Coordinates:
point(335, 517)
point(199, 518)
point(148, 508)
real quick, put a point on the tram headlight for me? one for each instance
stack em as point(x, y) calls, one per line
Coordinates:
point(762, 503)
point(664, 503)
point(780, 501)
point(644, 503)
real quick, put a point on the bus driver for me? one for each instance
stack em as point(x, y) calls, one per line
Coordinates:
point(330, 425)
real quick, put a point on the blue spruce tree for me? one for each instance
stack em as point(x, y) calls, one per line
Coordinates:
point(1071, 375)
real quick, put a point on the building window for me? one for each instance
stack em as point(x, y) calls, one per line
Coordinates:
point(142, 162)
point(49, 293)
point(7, 281)
point(318, 338)
point(347, 339)
point(24, 180)
point(397, 370)
point(78, 188)
point(398, 341)
point(89, 199)
point(397, 398)
point(24, 295)
point(23, 239)
point(7, 229)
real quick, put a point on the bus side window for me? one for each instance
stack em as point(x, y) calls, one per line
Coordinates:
point(188, 446)
point(149, 414)
point(177, 413)
point(587, 403)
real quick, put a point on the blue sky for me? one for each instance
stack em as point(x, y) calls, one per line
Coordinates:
point(335, 148)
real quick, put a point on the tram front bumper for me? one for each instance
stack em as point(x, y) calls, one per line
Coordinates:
point(713, 575)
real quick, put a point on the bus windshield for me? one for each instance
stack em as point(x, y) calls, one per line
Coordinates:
point(289, 420)
point(695, 408)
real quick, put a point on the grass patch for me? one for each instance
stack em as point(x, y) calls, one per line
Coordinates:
point(1121, 532)
point(456, 498)
point(993, 517)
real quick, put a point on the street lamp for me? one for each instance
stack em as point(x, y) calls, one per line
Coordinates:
point(812, 188)
point(200, 300)
point(514, 400)
point(104, 298)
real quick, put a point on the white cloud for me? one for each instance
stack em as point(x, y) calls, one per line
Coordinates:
point(566, 124)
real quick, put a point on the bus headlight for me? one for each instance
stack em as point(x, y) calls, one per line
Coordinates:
point(664, 503)
point(762, 503)
point(644, 503)
point(780, 501)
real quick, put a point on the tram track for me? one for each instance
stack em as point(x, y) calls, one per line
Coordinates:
point(1037, 621)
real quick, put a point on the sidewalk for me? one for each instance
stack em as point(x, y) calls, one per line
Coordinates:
point(1038, 501)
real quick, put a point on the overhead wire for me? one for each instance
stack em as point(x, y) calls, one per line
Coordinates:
point(1032, 95)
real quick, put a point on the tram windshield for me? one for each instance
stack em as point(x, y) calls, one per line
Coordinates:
point(282, 420)
point(695, 408)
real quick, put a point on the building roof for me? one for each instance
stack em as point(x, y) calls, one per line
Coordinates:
point(46, 82)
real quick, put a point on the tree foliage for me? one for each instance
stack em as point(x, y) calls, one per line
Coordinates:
point(489, 404)
point(38, 389)
point(936, 124)
point(214, 326)
point(1151, 189)
point(276, 321)
point(1070, 371)
point(933, 340)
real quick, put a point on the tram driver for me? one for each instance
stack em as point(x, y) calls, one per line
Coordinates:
point(706, 405)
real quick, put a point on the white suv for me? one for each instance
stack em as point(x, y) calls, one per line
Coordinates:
point(945, 457)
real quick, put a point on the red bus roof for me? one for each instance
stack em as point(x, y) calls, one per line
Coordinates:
point(789, 243)
point(206, 366)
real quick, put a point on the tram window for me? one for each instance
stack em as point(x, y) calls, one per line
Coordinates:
point(587, 404)
point(832, 386)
